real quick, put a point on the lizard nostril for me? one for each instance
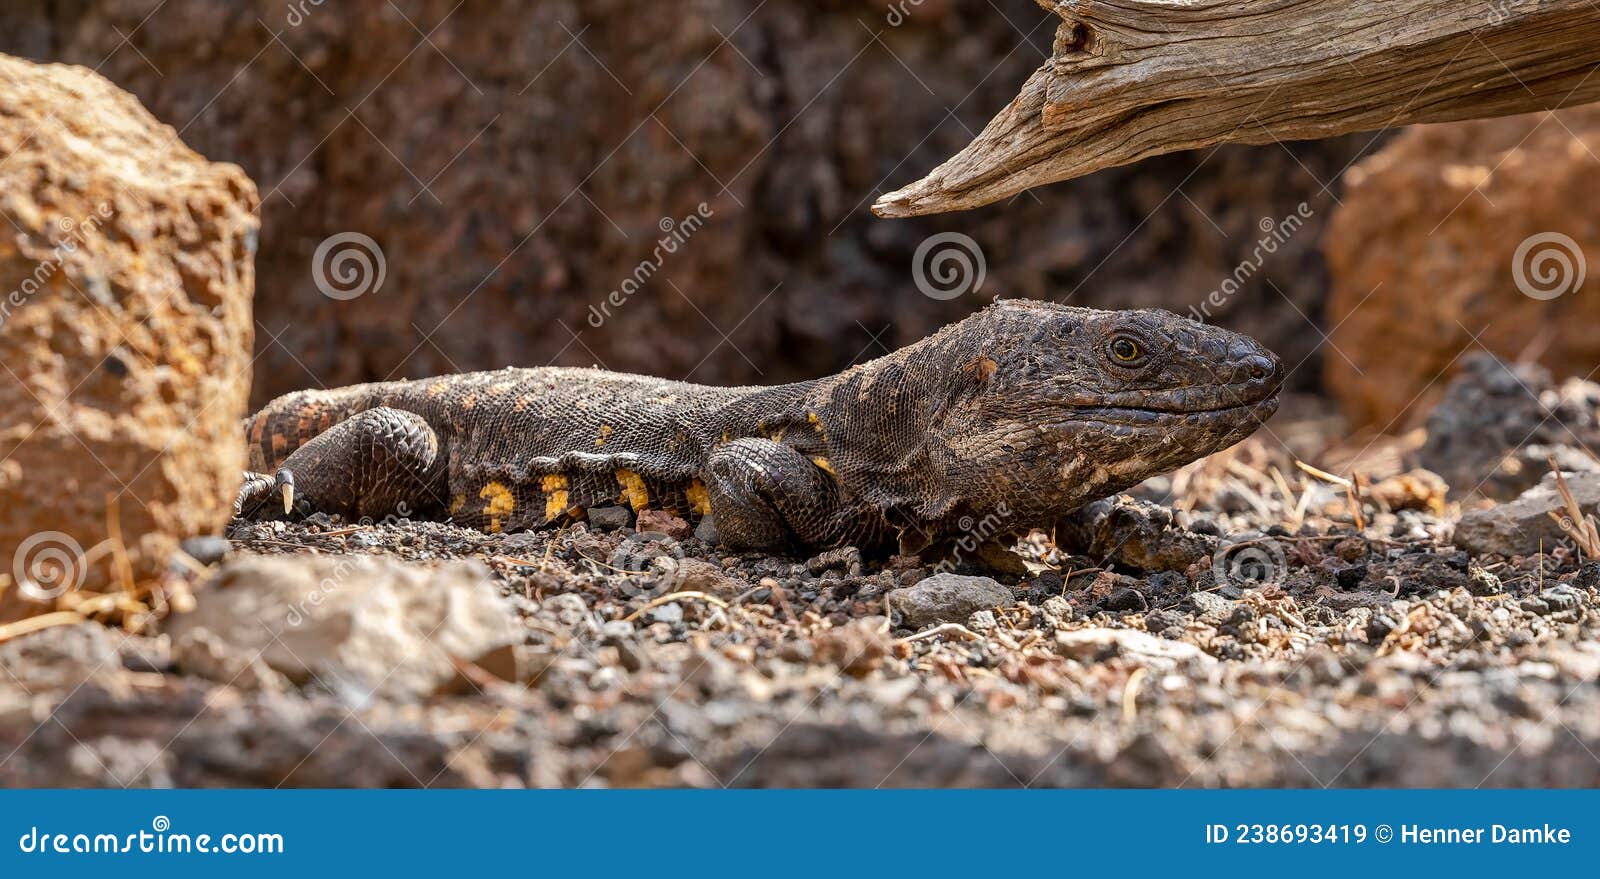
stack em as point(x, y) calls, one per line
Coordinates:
point(1258, 367)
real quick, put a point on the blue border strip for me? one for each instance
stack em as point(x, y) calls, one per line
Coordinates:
point(794, 833)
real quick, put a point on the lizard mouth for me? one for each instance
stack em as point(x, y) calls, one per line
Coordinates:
point(1214, 406)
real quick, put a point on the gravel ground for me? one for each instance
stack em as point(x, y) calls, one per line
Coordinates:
point(1241, 628)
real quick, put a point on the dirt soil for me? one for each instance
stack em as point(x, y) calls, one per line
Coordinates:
point(1291, 645)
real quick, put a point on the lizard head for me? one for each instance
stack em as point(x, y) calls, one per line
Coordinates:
point(1063, 405)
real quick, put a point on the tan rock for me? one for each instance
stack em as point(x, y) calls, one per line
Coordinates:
point(358, 626)
point(125, 331)
point(1421, 257)
point(1088, 645)
point(1524, 526)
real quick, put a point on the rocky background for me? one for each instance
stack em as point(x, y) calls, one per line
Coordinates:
point(515, 161)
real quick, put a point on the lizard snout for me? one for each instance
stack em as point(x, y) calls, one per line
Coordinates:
point(1264, 369)
point(1253, 366)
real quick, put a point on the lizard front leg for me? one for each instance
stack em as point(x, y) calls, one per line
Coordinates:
point(768, 497)
point(375, 463)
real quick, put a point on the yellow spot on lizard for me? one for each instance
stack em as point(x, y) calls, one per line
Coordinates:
point(499, 504)
point(457, 502)
point(816, 422)
point(698, 499)
point(824, 465)
point(633, 490)
point(605, 433)
point(556, 497)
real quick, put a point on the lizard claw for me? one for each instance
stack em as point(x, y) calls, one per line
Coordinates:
point(259, 488)
point(250, 493)
point(283, 480)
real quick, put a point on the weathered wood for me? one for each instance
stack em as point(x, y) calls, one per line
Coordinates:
point(1129, 79)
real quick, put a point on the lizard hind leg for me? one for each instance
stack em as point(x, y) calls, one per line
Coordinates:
point(376, 463)
point(766, 496)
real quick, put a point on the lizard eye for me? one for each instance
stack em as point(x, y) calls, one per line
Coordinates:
point(1126, 351)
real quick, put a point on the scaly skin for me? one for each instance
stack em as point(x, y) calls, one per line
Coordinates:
point(1013, 417)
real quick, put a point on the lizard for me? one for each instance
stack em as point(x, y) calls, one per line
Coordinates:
point(1015, 416)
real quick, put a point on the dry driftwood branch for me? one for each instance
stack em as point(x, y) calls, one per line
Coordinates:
point(1129, 79)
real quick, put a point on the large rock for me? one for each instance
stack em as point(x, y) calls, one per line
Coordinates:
point(550, 166)
point(1422, 257)
point(1499, 425)
point(125, 330)
point(1524, 526)
point(947, 598)
point(357, 626)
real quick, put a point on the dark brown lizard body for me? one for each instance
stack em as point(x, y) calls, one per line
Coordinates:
point(1016, 415)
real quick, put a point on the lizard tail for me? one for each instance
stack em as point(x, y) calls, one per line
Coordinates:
point(294, 419)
